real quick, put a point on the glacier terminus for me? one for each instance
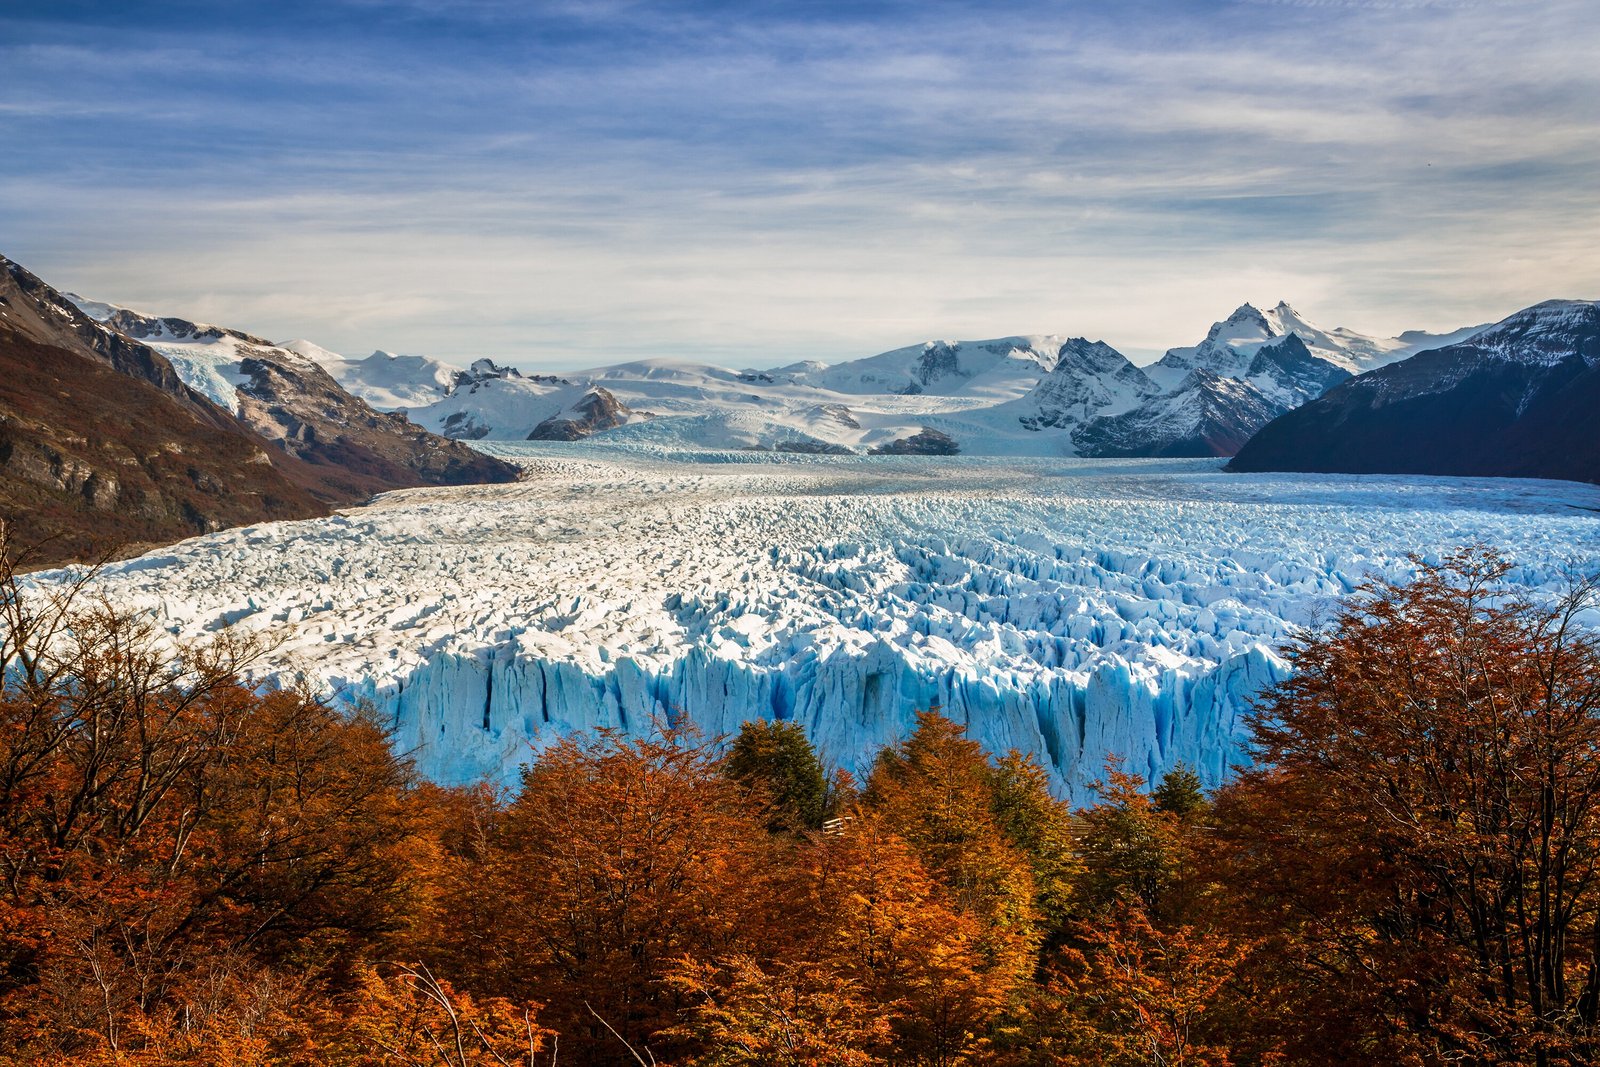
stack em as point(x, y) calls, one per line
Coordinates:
point(1073, 609)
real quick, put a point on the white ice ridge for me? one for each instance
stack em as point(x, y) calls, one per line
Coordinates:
point(1073, 609)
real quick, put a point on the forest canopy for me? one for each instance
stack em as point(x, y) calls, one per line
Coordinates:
point(195, 871)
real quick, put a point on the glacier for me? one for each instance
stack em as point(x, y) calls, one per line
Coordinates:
point(1072, 609)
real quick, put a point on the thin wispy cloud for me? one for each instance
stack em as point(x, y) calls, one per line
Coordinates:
point(557, 185)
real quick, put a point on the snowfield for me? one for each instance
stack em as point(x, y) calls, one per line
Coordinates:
point(1074, 609)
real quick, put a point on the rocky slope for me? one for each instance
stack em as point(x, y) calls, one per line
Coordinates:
point(292, 401)
point(105, 444)
point(1519, 398)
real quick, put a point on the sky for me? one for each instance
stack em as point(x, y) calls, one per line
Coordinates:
point(568, 184)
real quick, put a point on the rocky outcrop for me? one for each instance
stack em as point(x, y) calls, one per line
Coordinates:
point(597, 410)
point(927, 442)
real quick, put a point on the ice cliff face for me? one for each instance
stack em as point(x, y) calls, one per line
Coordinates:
point(1070, 609)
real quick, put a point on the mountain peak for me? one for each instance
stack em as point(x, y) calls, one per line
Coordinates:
point(1247, 313)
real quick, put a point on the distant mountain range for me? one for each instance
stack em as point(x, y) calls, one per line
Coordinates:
point(176, 426)
point(119, 429)
point(1021, 395)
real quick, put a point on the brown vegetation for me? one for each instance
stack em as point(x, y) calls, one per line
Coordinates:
point(194, 872)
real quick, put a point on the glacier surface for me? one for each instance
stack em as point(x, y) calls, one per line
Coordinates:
point(1073, 609)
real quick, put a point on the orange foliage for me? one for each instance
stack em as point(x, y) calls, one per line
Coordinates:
point(194, 872)
point(1133, 994)
point(617, 858)
point(1424, 847)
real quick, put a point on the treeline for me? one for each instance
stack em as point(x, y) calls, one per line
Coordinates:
point(196, 873)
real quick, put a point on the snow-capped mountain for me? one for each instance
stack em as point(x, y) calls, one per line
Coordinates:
point(386, 380)
point(1517, 398)
point(1287, 374)
point(1219, 392)
point(999, 369)
point(1206, 415)
point(1230, 345)
point(1090, 378)
point(1022, 395)
point(501, 404)
point(106, 440)
point(287, 397)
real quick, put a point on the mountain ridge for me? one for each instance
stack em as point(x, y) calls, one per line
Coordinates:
point(1516, 399)
point(105, 445)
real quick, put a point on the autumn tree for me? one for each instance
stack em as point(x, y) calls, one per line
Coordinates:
point(1140, 975)
point(1130, 995)
point(1423, 839)
point(407, 1015)
point(991, 834)
point(896, 932)
point(617, 858)
point(742, 1012)
point(172, 843)
point(1129, 848)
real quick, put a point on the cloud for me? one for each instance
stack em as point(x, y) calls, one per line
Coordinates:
point(593, 181)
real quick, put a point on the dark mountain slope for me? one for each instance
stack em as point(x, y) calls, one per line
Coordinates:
point(95, 459)
point(1520, 399)
point(295, 403)
point(103, 447)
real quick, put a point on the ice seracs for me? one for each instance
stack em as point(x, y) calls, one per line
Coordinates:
point(1072, 609)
